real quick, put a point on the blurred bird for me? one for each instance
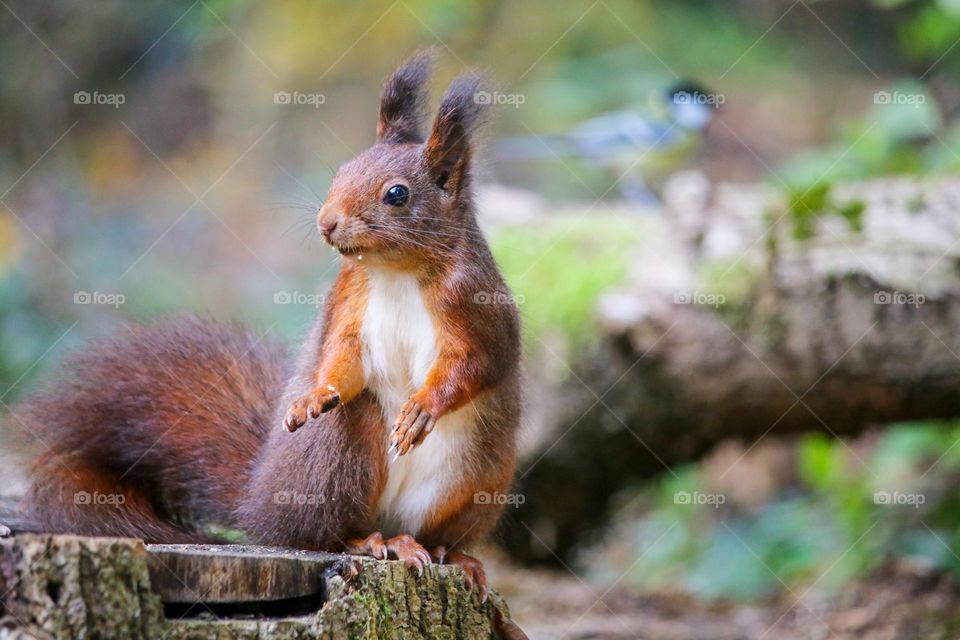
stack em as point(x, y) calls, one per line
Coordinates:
point(641, 149)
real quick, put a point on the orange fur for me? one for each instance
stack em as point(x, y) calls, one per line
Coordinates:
point(183, 419)
point(341, 365)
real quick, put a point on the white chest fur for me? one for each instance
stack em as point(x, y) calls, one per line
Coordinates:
point(400, 346)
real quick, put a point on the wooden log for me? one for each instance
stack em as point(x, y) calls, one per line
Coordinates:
point(731, 326)
point(60, 586)
point(73, 587)
point(235, 573)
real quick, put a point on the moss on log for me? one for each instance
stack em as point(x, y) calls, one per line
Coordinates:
point(58, 586)
point(733, 327)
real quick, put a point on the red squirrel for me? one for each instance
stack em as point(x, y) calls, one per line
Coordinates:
point(389, 433)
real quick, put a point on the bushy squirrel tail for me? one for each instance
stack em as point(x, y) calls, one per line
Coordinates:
point(152, 434)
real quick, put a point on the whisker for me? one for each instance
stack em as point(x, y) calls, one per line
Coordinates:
point(432, 232)
point(418, 218)
point(300, 211)
point(302, 223)
point(431, 219)
point(306, 188)
point(295, 203)
point(409, 235)
point(402, 232)
point(406, 239)
point(310, 234)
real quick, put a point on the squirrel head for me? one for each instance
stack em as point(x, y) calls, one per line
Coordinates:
point(406, 200)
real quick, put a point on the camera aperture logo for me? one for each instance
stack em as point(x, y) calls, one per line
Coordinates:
point(498, 297)
point(297, 499)
point(96, 499)
point(297, 98)
point(510, 499)
point(698, 498)
point(97, 98)
point(714, 300)
point(299, 298)
point(99, 298)
point(501, 99)
point(899, 498)
point(698, 97)
point(899, 298)
point(898, 97)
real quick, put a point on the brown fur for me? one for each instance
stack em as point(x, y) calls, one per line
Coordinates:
point(185, 418)
point(171, 417)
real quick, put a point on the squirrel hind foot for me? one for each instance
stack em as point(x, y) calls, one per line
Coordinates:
point(474, 577)
point(403, 547)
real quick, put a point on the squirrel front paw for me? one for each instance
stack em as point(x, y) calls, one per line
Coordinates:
point(413, 425)
point(320, 400)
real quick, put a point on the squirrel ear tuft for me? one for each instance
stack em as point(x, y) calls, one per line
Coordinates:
point(448, 148)
point(403, 101)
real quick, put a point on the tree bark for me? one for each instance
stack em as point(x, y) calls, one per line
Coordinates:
point(731, 327)
point(59, 586)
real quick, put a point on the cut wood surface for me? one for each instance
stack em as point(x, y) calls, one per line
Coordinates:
point(62, 586)
point(235, 573)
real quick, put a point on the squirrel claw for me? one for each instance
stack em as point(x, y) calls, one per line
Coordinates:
point(406, 549)
point(413, 425)
point(402, 547)
point(293, 420)
point(373, 546)
point(313, 404)
point(473, 574)
point(439, 554)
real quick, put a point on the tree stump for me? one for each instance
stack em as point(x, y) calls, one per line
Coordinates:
point(62, 586)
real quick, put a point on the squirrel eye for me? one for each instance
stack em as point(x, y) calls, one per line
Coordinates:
point(397, 195)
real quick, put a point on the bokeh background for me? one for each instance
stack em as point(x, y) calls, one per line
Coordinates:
point(147, 168)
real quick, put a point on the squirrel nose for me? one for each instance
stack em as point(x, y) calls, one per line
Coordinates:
point(327, 225)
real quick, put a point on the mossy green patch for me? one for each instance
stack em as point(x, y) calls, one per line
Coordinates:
point(731, 278)
point(809, 203)
point(232, 536)
point(558, 267)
